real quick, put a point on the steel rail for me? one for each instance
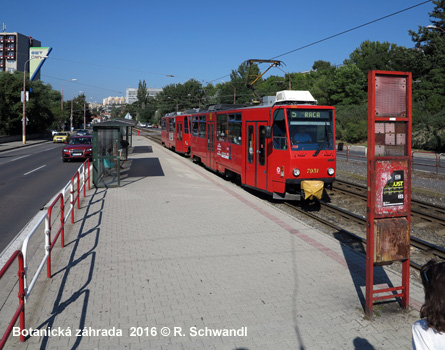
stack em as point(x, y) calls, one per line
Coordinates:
point(430, 211)
point(358, 219)
point(415, 242)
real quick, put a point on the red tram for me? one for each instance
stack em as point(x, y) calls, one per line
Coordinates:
point(286, 149)
point(175, 132)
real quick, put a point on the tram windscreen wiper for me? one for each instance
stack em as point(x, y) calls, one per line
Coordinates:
point(326, 138)
point(318, 149)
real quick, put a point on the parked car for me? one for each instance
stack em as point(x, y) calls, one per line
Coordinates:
point(61, 137)
point(79, 147)
point(82, 132)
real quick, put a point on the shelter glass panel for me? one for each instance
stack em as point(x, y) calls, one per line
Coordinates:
point(106, 158)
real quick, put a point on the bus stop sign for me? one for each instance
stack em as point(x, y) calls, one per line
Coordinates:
point(389, 180)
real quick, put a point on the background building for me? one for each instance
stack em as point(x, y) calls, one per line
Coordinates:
point(14, 52)
point(111, 101)
point(132, 94)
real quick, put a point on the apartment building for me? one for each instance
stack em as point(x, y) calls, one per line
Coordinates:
point(14, 51)
point(132, 94)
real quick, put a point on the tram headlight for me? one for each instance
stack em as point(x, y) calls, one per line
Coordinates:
point(331, 171)
point(296, 172)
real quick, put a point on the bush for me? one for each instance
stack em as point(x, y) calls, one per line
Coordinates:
point(352, 123)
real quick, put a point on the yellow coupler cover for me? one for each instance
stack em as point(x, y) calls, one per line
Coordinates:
point(312, 189)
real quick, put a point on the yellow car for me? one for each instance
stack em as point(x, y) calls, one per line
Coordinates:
point(61, 137)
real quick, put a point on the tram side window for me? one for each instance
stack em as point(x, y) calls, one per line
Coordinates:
point(221, 127)
point(262, 145)
point(279, 130)
point(250, 148)
point(195, 126)
point(186, 125)
point(235, 128)
point(172, 125)
point(163, 124)
point(202, 126)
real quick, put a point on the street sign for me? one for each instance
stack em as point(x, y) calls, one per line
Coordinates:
point(27, 96)
point(389, 181)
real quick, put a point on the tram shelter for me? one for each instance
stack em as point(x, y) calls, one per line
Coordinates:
point(111, 142)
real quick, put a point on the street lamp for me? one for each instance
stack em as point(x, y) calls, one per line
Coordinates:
point(234, 91)
point(84, 111)
point(62, 89)
point(24, 97)
point(199, 100)
point(435, 27)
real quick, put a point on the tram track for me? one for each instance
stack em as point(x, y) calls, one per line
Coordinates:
point(354, 232)
point(351, 238)
point(354, 226)
point(426, 211)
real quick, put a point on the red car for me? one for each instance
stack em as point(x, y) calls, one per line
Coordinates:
point(78, 147)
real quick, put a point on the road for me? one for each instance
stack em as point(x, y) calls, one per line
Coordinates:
point(29, 178)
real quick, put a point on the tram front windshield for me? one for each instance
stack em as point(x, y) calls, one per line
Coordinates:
point(311, 129)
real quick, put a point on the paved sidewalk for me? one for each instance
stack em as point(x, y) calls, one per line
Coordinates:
point(19, 144)
point(177, 254)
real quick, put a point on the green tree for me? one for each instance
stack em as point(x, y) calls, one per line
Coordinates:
point(319, 81)
point(78, 106)
point(142, 113)
point(348, 85)
point(39, 108)
point(372, 55)
point(180, 97)
point(431, 42)
point(351, 122)
point(10, 105)
point(238, 81)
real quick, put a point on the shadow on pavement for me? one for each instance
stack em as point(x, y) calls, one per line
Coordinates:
point(82, 260)
point(144, 167)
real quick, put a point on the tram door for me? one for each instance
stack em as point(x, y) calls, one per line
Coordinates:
point(179, 135)
point(256, 157)
point(210, 144)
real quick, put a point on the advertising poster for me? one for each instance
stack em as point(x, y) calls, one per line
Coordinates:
point(391, 187)
point(37, 56)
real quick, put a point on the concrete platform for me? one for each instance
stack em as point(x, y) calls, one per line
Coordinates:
point(179, 258)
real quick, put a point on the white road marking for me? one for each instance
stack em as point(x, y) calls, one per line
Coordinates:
point(29, 172)
point(13, 160)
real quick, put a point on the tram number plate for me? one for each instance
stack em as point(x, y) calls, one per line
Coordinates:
point(312, 171)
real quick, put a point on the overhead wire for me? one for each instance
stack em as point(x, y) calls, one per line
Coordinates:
point(351, 29)
point(339, 34)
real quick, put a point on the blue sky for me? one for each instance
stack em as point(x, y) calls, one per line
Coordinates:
point(111, 45)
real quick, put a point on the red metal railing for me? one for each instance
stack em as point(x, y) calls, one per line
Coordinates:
point(432, 155)
point(24, 288)
point(21, 308)
point(60, 232)
point(86, 177)
point(74, 198)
